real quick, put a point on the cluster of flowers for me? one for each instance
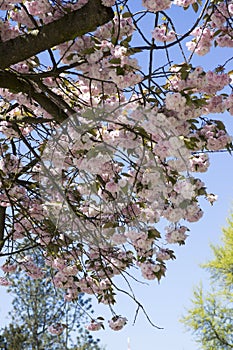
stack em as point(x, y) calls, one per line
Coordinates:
point(109, 3)
point(219, 29)
point(130, 175)
point(203, 41)
point(155, 6)
point(56, 328)
point(27, 264)
point(116, 324)
point(43, 12)
point(4, 282)
point(123, 186)
point(31, 269)
point(198, 81)
point(102, 59)
point(161, 33)
point(115, 171)
point(184, 3)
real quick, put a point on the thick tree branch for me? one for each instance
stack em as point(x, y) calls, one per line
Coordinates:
point(71, 25)
point(17, 84)
point(2, 225)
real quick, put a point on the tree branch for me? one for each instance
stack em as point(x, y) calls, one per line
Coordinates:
point(2, 225)
point(15, 83)
point(71, 25)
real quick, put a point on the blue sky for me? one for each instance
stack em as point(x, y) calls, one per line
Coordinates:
point(166, 302)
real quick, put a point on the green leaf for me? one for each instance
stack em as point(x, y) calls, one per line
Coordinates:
point(126, 15)
point(120, 71)
point(115, 61)
point(114, 40)
point(154, 233)
point(110, 225)
point(133, 50)
point(88, 51)
point(220, 125)
point(195, 6)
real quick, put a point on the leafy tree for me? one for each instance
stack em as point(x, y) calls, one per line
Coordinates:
point(211, 316)
point(37, 306)
point(96, 149)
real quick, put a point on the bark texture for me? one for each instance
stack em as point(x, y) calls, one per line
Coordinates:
point(71, 25)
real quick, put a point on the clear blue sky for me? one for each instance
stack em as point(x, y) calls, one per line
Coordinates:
point(165, 303)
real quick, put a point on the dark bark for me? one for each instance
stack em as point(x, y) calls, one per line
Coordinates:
point(71, 25)
point(17, 84)
point(2, 225)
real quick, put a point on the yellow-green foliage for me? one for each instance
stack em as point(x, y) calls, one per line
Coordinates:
point(222, 264)
point(210, 317)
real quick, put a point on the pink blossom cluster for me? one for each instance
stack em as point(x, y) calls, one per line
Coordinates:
point(216, 104)
point(176, 235)
point(106, 61)
point(43, 12)
point(198, 81)
point(184, 3)
point(69, 277)
point(225, 40)
point(56, 328)
point(8, 268)
point(218, 29)
point(222, 12)
point(163, 34)
point(155, 6)
point(8, 31)
point(9, 164)
point(215, 138)
point(8, 4)
point(31, 269)
point(203, 41)
point(120, 167)
point(94, 326)
point(164, 254)
point(149, 269)
point(175, 101)
point(199, 162)
point(117, 323)
point(108, 2)
point(37, 8)
point(5, 282)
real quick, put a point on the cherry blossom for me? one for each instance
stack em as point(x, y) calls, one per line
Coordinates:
point(97, 150)
point(4, 282)
point(94, 326)
point(117, 323)
point(56, 328)
point(156, 6)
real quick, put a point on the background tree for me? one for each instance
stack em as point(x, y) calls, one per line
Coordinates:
point(127, 140)
point(42, 319)
point(211, 316)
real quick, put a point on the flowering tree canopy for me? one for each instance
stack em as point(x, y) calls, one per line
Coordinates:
point(96, 150)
